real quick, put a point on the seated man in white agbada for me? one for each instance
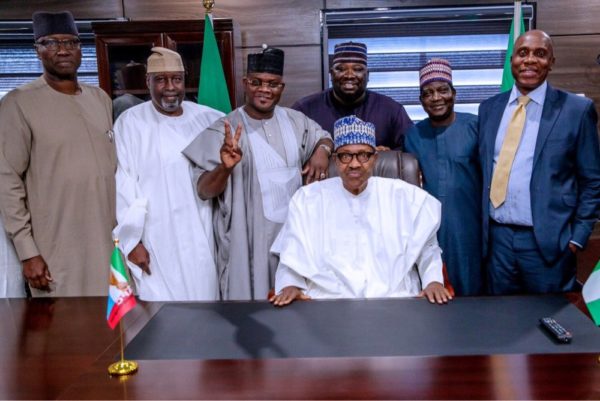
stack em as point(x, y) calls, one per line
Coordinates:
point(163, 227)
point(358, 236)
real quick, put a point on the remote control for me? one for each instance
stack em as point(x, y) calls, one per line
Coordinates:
point(558, 332)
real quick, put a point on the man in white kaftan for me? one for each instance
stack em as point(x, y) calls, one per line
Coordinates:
point(357, 236)
point(251, 178)
point(164, 228)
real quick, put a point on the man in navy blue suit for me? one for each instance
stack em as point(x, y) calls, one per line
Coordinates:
point(544, 210)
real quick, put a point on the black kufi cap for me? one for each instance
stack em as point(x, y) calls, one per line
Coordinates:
point(45, 23)
point(270, 61)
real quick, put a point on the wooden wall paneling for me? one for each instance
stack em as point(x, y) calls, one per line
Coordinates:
point(302, 71)
point(276, 22)
point(81, 9)
point(335, 4)
point(572, 17)
point(576, 69)
point(160, 9)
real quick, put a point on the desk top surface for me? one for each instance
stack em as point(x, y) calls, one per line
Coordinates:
point(61, 349)
point(362, 328)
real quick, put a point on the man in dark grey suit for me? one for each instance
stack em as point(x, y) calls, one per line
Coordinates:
point(543, 210)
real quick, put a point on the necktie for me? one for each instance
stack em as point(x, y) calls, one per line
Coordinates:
point(508, 152)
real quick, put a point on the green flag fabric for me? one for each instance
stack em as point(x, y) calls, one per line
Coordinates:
point(591, 294)
point(507, 79)
point(212, 90)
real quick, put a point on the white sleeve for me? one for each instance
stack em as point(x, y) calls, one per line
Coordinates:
point(430, 263)
point(285, 277)
point(131, 206)
point(293, 247)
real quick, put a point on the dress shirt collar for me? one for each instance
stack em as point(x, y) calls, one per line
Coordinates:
point(538, 95)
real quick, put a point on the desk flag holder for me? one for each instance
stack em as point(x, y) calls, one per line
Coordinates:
point(120, 301)
point(123, 367)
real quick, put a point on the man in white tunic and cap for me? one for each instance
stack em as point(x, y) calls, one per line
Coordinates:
point(358, 236)
point(251, 177)
point(164, 228)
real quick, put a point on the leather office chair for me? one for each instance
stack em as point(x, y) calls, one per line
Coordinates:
point(392, 164)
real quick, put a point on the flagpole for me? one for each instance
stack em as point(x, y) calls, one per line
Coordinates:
point(516, 21)
point(123, 367)
point(208, 6)
point(212, 88)
point(121, 337)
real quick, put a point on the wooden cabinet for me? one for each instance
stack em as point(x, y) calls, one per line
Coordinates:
point(122, 48)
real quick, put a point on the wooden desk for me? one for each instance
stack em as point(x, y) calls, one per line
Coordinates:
point(61, 349)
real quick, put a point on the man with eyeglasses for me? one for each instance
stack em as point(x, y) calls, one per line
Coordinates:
point(57, 166)
point(163, 228)
point(358, 236)
point(445, 145)
point(349, 96)
point(251, 171)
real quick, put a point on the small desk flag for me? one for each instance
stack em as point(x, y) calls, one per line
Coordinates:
point(120, 295)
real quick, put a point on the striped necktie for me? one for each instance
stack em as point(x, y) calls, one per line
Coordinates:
point(508, 152)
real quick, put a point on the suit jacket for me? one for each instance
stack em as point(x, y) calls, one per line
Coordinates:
point(565, 181)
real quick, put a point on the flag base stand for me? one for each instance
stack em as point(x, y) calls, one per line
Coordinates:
point(123, 368)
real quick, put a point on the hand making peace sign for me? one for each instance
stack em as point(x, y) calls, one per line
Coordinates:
point(230, 152)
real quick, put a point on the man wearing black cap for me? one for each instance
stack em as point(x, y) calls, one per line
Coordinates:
point(57, 166)
point(252, 174)
point(349, 96)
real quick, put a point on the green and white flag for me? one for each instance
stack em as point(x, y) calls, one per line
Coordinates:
point(507, 79)
point(212, 90)
point(591, 294)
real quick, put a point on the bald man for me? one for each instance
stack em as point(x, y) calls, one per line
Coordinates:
point(536, 220)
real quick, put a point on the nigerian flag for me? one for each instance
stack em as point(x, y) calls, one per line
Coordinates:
point(507, 79)
point(591, 294)
point(212, 90)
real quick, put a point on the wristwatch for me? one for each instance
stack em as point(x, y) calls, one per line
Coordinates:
point(327, 148)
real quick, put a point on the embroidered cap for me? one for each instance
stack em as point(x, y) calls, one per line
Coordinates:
point(352, 130)
point(436, 69)
point(350, 52)
point(164, 60)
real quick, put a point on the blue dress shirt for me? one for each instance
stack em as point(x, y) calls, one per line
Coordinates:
point(516, 209)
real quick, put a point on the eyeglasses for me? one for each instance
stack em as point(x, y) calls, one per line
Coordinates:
point(362, 157)
point(53, 44)
point(257, 83)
